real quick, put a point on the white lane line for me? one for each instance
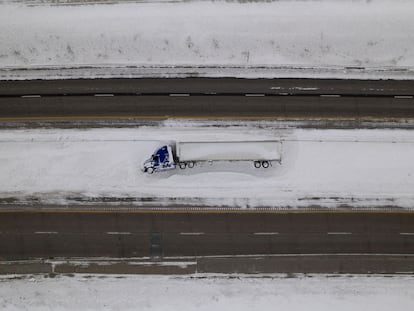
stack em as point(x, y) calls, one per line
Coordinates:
point(254, 95)
point(46, 232)
point(30, 96)
point(266, 233)
point(191, 233)
point(172, 95)
point(330, 95)
point(403, 96)
point(118, 233)
point(339, 233)
point(103, 95)
point(407, 233)
point(299, 88)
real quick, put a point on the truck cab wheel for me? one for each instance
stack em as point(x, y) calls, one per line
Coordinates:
point(190, 164)
point(150, 170)
point(265, 164)
point(257, 164)
point(182, 165)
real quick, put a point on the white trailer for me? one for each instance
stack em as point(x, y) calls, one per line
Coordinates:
point(188, 154)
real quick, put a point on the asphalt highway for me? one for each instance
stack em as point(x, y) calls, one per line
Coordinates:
point(213, 107)
point(284, 99)
point(26, 235)
point(209, 86)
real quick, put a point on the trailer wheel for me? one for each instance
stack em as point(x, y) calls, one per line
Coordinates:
point(150, 170)
point(182, 165)
point(190, 164)
point(265, 164)
point(257, 164)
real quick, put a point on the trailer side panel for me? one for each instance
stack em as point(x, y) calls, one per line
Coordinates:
point(229, 151)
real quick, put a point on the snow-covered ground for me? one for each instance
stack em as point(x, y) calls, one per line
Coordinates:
point(328, 168)
point(253, 39)
point(176, 293)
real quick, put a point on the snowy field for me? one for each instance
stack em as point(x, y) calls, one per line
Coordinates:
point(176, 293)
point(326, 168)
point(345, 39)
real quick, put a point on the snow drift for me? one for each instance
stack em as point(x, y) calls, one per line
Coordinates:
point(288, 34)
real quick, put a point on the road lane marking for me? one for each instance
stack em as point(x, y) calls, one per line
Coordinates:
point(254, 95)
point(300, 88)
point(103, 95)
point(192, 233)
point(330, 95)
point(118, 233)
point(339, 233)
point(179, 95)
point(46, 232)
point(30, 96)
point(403, 96)
point(266, 233)
point(406, 233)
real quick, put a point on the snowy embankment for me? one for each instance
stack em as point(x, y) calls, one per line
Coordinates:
point(345, 39)
point(326, 168)
point(176, 293)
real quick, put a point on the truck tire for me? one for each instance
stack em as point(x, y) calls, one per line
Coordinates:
point(265, 164)
point(190, 164)
point(182, 165)
point(257, 164)
point(150, 170)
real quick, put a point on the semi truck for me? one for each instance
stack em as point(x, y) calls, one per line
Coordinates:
point(189, 154)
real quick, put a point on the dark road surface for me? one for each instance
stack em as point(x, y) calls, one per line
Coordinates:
point(46, 234)
point(206, 98)
point(209, 86)
point(233, 107)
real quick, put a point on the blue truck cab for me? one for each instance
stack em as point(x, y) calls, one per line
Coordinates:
point(162, 159)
